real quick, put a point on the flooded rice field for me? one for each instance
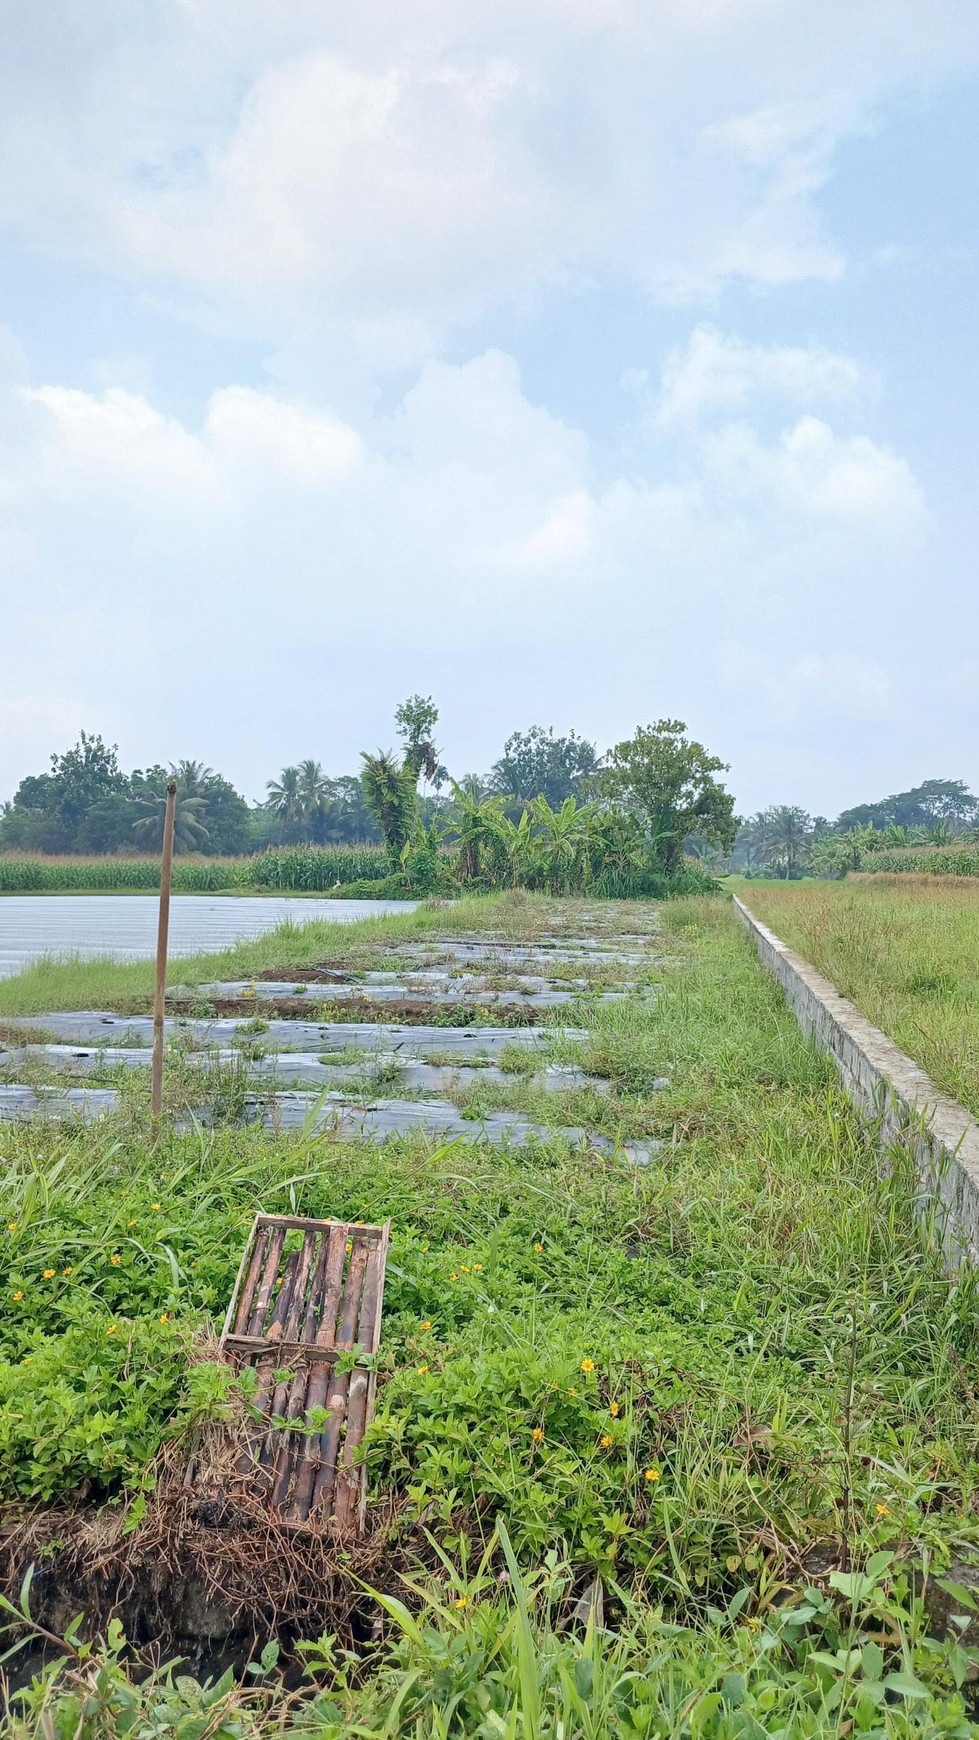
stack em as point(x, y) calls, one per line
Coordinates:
point(123, 926)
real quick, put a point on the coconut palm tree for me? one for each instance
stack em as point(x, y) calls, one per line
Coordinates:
point(191, 777)
point(189, 831)
point(284, 799)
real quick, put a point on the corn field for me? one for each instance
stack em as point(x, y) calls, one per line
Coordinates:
point(293, 869)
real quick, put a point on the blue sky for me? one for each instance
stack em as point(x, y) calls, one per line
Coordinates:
point(579, 362)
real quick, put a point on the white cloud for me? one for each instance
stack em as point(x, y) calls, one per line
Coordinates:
point(396, 172)
point(718, 373)
point(813, 471)
point(253, 429)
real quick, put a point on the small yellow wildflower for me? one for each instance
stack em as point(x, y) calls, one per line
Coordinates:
point(651, 1474)
point(349, 1246)
point(11, 1226)
point(463, 1601)
point(588, 1365)
point(572, 1392)
point(154, 1208)
point(424, 1247)
point(477, 1268)
point(538, 1249)
point(133, 1222)
point(453, 1276)
point(68, 1271)
point(465, 1268)
point(882, 1510)
point(48, 1273)
point(164, 1316)
point(111, 1329)
point(613, 1409)
point(18, 1296)
point(421, 1370)
point(606, 1440)
point(27, 1359)
point(538, 1435)
point(116, 1258)
point(426, 1325)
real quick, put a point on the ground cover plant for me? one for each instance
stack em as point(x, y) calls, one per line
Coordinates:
point(904, 950)
point(735, 1385)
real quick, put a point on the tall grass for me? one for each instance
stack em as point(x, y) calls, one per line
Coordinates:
point(905, 950)
point(291, 869)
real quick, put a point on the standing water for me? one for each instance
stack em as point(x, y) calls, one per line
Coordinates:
point(123, 926)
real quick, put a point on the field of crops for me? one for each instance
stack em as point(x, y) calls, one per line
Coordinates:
point(289, 869)
point(749, 1413)
point(904, 950)
point(924, 861)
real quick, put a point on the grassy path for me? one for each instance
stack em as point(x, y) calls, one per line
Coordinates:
point(713, 1382)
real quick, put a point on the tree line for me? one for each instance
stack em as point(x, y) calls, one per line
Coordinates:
point(785, 840)
point(551, 812)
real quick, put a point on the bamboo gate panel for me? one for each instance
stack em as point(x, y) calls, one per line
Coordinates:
point(299, 1303)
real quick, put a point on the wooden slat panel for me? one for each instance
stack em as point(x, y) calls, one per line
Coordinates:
point(329, 1301)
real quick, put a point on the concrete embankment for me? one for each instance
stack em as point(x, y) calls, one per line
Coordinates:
point(891, 1088)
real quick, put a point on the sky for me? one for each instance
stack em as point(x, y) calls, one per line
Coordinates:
point(576, 362)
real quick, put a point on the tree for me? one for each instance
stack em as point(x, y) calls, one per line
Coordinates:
point(390, 791)
point(670, 781)
point(189, 831)
point(416, 720)
point(284, 799)
point(536, 763)
point(934, 801)
point(786, 837)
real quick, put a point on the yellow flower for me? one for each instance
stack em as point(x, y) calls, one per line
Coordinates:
point(164, 1316)
point(11, 1226)
point(477, 1268)
point(154, 1208)
point(613, 1409)
point(424, 1247)
point(882, 1510)
point(133, 1222)
point(115, 1259)
point(48, 1273)
point(606, 1440)
point(453, 1277)
point(68, 1271)
point(111, 1329)
point(538, 1435)
point(421, 1370)
point(538, 1249)
point(426, 1325)
point(27, 1359)
point(588, 1365)
point(18, 1296)
point(349, 1246)
point(651, 1474)
point(465, 1268)
point(463, 1601)
point(572, 1392)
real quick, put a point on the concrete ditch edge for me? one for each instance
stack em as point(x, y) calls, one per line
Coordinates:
point(942, 1136)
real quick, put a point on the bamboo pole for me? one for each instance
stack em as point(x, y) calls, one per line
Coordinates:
point(162, 935)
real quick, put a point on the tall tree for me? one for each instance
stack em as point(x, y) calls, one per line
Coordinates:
point(670, 780)
point(536, 763)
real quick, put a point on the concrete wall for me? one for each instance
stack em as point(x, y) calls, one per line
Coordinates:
point(882, 1081)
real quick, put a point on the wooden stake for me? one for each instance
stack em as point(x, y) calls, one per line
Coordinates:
point(162, 934)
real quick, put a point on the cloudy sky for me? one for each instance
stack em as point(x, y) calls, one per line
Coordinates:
point(575, 361)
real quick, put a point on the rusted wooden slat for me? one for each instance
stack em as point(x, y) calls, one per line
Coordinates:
point(351, 1494)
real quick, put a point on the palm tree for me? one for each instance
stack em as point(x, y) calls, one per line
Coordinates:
point(191, 777)
point(284, 799)
point(188, 828)
point(787, 833)
point(313, 794)
point(390, 792)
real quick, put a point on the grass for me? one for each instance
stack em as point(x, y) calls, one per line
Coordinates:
point(905, 950)
point(687, 1379)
